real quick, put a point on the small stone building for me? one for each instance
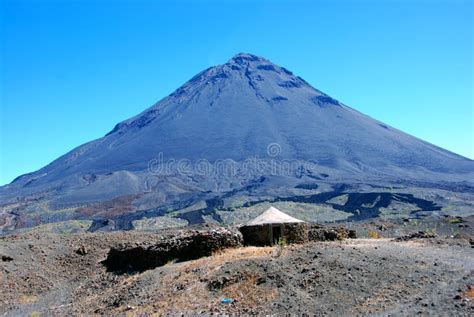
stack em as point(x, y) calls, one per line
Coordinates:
point(272, 225)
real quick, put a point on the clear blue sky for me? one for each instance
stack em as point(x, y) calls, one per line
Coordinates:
point(71, 70)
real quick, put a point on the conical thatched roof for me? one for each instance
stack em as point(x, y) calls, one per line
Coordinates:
point(271, 216)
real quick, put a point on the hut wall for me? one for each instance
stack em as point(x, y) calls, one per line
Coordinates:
point(262, 235)
point(257, 235)
point(295, 232)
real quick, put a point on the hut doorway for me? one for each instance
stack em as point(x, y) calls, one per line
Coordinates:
point(276, 233)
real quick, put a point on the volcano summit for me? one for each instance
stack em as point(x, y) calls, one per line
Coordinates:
point(234, 137)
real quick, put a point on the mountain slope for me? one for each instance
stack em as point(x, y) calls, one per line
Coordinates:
point(236, 111)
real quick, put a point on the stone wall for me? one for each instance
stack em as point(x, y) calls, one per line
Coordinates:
point(185, 246)
point(262, 235)
point(257, 235)
point(295, 232)
point(320, 233)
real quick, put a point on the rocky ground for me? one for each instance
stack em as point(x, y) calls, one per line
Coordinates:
point(52, 274)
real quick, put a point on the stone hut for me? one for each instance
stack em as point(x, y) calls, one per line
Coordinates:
point(272, 225)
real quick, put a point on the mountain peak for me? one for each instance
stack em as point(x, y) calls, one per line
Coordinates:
point(245, 58)
point(248, 128)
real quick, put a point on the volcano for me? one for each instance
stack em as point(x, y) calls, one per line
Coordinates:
point(246, 131)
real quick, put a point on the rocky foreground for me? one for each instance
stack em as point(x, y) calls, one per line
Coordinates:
point(51, 274)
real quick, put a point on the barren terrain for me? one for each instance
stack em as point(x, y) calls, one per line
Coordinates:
point(53, 274)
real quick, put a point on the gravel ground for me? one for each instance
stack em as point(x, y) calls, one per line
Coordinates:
point(45, 274)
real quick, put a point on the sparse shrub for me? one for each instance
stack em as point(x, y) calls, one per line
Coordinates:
point(280, 246)
point(172, 261)
point(454, 232)
point(374, 234)
point(342, 234)
point(431, 231)
point(455, 220)
point(282, 242)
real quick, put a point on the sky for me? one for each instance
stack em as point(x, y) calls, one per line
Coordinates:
point(71, 70)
